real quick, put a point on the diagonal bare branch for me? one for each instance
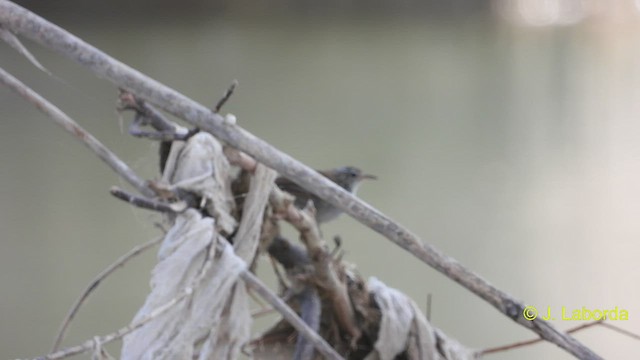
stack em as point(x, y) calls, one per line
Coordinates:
point(319, 343)
point(62, 119)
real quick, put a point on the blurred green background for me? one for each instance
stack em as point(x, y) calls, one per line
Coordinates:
point(504, 133)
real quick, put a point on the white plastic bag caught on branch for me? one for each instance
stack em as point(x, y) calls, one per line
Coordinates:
point(199, 166)
point(192, 257)
point(196, 266)
point(404, 328)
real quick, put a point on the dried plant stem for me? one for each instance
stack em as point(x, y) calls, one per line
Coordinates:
point(146, 203)
point(288, 314)
point(94, 284)
point(263, 312)
point(166, 129)
point(325, 272)
point(62, 119)
point(621, 331)
point(89, 344)
point(188, 291)
point(520, 344)
point(226, 96)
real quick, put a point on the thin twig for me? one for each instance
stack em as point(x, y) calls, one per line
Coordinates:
point(254, 283)
point(262, 312)
point(89, 344)
point(278, 273)
point(135, 130)
point(165, 129)
point(520, 344)
point(226, 96)
point(146, 203)
point(128, 101)
point(303, 329)
point(621, 331)
point(94, 284)
point(24, 22)
point(298, 265)
point(119, 166)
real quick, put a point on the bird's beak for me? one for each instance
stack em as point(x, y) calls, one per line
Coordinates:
point(368, 176)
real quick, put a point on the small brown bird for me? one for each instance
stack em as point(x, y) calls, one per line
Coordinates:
point(348, 177)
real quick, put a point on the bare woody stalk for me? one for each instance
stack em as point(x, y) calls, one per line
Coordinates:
point(304, 221)
point(318, 342)
point(76, 130)
point(23, 22)
point(521, 344)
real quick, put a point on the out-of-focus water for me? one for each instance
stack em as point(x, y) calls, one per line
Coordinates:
point(514, 150)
